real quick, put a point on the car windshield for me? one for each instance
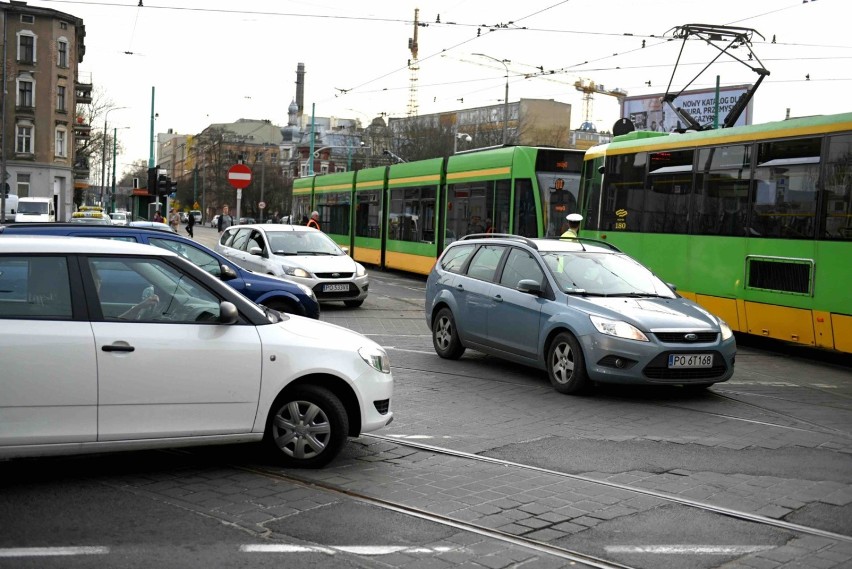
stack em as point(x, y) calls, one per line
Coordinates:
point(302, 243)
point(606, 274)
point(32, 207)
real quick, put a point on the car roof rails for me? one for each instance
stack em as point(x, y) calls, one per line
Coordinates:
point(525, 240)
point(588, 240)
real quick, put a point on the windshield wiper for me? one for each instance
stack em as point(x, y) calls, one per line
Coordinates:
point(284, 253)
point(640, 295)
point(583, 292)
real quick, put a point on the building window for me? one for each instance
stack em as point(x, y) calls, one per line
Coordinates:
point(26, 89)
point(61, 142)
point(62, 52)
point(24, 139)
point(26, 47)
point(63, 26)
point(23, 185)
point(60, 98)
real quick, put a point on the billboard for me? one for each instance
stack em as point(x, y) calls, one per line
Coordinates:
point(647, 112)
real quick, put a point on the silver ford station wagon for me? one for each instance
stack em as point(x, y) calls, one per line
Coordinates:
point(581, 310)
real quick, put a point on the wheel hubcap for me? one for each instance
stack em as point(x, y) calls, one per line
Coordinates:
point(444, 333)
point(563, 363)
point(301, 429)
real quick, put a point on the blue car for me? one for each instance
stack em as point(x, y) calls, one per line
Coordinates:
point(273, 292)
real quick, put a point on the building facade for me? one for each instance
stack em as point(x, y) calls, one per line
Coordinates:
point(41, 130)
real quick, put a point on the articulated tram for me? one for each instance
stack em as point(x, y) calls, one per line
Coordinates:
point(752, 222)
point(402, 216)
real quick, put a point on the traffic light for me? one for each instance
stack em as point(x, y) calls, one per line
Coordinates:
point(152, 181)
point(163, 185)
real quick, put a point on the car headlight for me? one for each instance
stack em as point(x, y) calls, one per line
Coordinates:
point(296, 272)
point(618, 328)
point(726, 330)
point(376, 358)
point(360, 271)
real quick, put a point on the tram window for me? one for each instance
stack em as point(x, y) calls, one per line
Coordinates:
point(720, 200)
point(838, 189)
point(624, 192)
point(666, 208)
point(785, 189)
point(525, 210)
point(367, 213)
point(592, 192)
point(334, 208)
point(410, 208)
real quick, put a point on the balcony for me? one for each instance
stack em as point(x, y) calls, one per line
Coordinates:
point(83, 88)
point(82, 130)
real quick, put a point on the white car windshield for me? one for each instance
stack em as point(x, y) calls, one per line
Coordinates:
point(32, 207)
point(603, 274)
point(302, 243)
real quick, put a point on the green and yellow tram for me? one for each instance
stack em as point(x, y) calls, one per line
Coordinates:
point(405, 214)
point(752, 222)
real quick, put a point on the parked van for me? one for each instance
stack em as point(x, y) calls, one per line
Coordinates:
point(11, 205)
point(34, 210)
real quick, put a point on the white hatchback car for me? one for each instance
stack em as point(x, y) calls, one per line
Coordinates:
point(108, 345)
point(300, 254)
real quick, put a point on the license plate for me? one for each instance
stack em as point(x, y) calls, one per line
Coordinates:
point(690, 360)
point(335, 288)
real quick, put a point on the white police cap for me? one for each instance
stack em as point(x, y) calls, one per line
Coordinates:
point(574, 217)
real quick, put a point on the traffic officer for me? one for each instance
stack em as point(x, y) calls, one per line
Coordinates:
point(574, 220)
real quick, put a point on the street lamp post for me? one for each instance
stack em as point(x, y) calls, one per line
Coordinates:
point(114, 147)
point(506, 96)
point(104, 151)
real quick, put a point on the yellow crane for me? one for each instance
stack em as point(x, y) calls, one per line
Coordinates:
point(589, 88)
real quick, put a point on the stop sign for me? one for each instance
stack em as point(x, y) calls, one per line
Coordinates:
point(239, 176)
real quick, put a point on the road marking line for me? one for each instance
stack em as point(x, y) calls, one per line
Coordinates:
point(51, 551)
point(689, 549)
point(332, 549)
point(425, 352)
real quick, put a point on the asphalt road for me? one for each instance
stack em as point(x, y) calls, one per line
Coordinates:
point(625, 474)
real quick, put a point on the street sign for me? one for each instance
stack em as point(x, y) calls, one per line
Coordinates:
point(239, 176)
point(261, 205)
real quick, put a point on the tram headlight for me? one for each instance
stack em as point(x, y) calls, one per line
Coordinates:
point(618, 328)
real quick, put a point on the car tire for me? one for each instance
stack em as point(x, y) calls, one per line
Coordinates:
point(287, 436)
point(566, 366)
point(445, 336)
point(353, 303)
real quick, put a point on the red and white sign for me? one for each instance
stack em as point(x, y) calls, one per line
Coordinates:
point(239, 176)
point(261, 205)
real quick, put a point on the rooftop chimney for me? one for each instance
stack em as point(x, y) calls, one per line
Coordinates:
point(300, 87)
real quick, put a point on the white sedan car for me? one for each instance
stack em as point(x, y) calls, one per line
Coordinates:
point(109, 345)
point(299, 254)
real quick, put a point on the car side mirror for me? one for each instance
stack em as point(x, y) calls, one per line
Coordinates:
point(529, 286)
point(345, 249)
point(672, 286)
point(228, 313)
point(226, 273)
point(256, 251)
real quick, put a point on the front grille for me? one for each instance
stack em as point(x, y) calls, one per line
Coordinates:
point(382, 406)
point(680, 337)
point(658, 369)
point(335, 275)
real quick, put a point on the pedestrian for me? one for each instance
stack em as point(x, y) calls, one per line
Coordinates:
point(574, 220)
point(158, 217)
point(174, 219)
point(190, 224)
point(314, 221)
point(225, 219)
